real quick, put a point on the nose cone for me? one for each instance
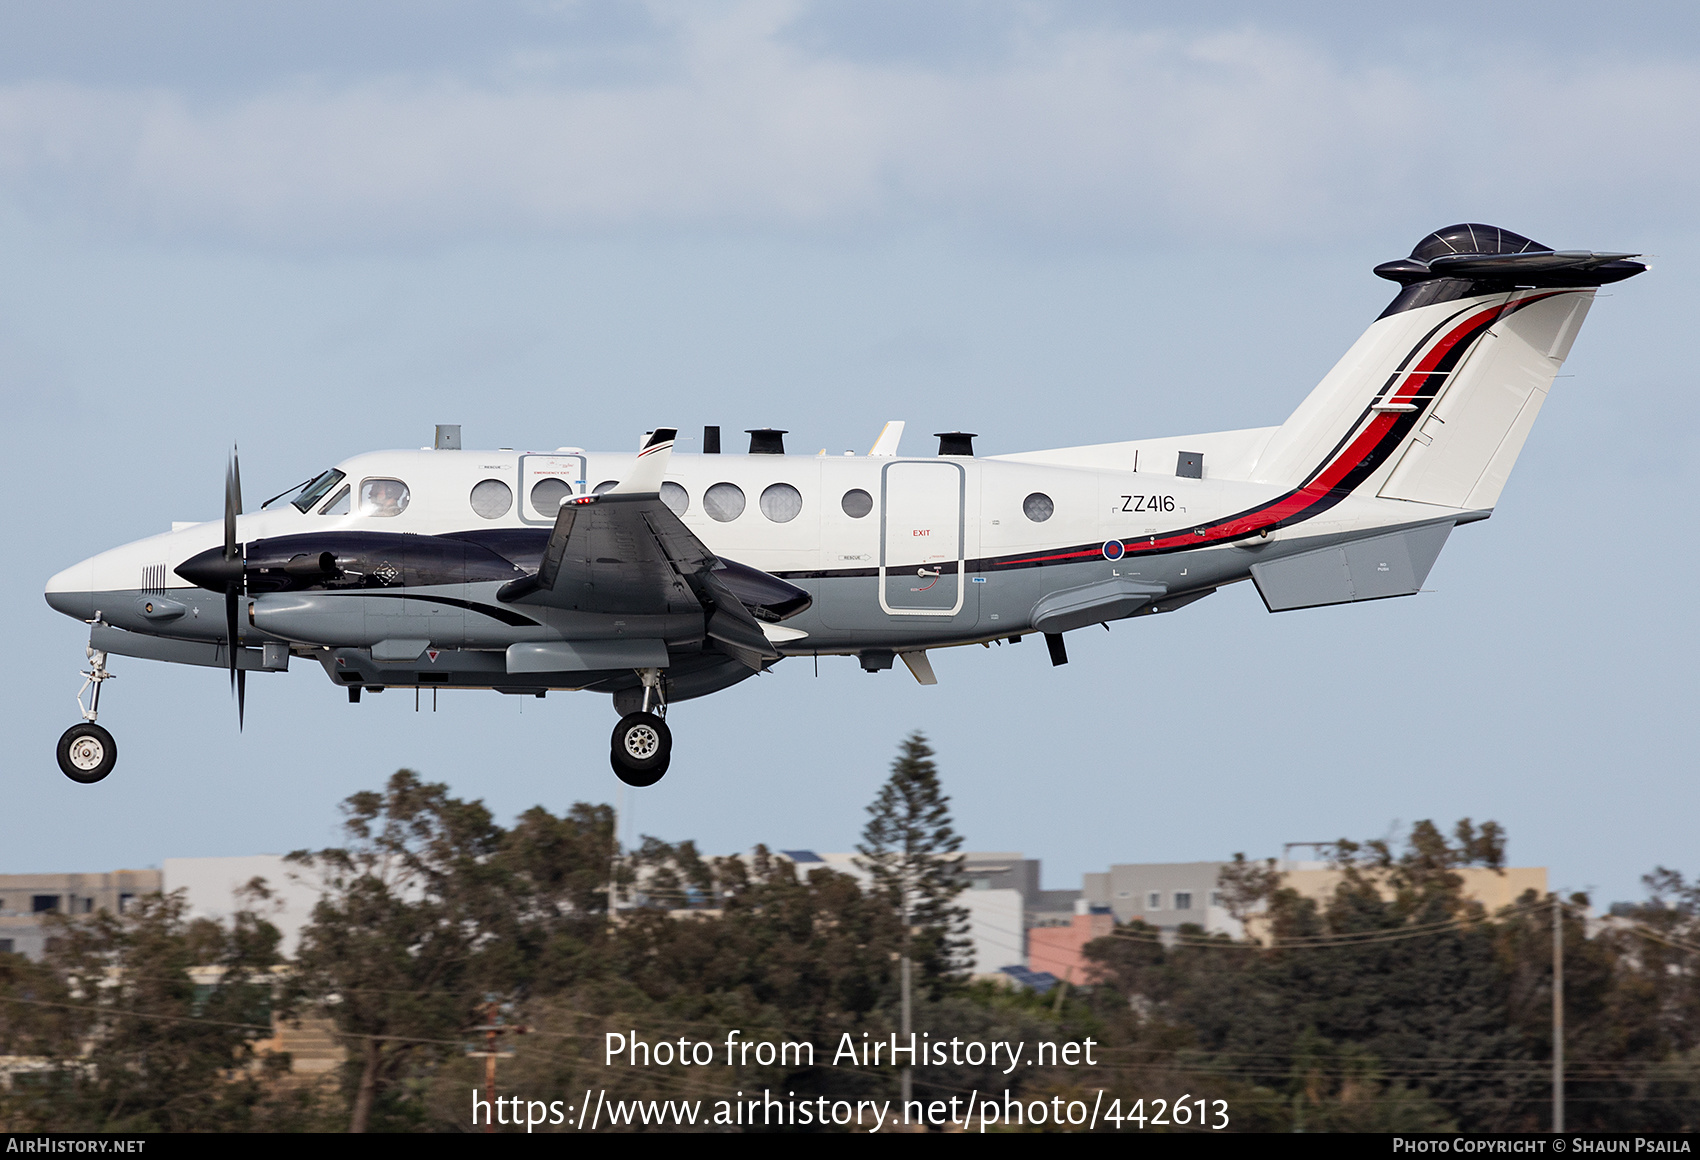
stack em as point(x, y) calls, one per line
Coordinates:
point(72, 591)
point(210, 570)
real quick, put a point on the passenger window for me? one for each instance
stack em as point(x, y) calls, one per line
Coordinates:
point(383, 497)
point(338, 505)
point(857, 503)
point(677, 499)
point(781, 503)
point(723, 502)
point(491, 498)
point(547, 496)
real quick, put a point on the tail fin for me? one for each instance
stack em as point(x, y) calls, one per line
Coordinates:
point(1433, 403)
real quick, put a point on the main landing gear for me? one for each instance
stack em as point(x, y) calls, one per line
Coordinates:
point(87, 752)
point(642, 746)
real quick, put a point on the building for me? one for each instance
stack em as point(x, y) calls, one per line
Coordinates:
point(1166, 895)
point(1002, 889)
point(1493, 889)
point(216, 888)
point(1011, 871)
point(1056, 949)
point(26, 899)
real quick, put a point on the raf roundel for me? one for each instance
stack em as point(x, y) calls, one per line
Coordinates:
point(1113, 550)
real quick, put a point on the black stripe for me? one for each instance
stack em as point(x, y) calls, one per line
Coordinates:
point(506, 616)
point(1422, 345)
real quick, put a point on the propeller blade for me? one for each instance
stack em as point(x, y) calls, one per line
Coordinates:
point(230, 511)
point(235, 588)
point(231, 600)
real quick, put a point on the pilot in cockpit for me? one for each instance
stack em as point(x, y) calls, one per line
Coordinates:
point(383, 497)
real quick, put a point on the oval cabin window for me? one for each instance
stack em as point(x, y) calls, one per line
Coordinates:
point(723, 502)
point(491, 498)
point(546, 496)
point(781, 503)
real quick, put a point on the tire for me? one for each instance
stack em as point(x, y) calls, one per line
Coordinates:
point(87, 753)
point(634, 778)
point(641, 743)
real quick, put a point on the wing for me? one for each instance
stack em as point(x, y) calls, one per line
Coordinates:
point(626, 552)
point(617, 553)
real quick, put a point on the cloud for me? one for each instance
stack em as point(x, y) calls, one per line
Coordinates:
point(1140, 134)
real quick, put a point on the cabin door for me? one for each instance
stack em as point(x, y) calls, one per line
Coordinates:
point(921, 538)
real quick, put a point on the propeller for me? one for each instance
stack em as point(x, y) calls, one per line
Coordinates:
point(235, 585)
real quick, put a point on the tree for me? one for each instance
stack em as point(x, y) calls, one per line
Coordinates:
point(413, 926)
point(909, 847)
point(140, 1044)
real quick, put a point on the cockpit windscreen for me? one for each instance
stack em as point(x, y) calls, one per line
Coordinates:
point(315, 490)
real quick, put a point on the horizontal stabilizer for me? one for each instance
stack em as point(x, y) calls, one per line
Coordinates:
point(1369, 569)
point(1584, 266)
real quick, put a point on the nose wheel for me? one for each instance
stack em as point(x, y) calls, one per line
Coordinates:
point(87, 752)
point(642, 748)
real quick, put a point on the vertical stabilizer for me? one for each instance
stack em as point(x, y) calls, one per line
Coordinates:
point(1434, 401)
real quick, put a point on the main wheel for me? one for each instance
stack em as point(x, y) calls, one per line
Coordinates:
point(87, 753)
point(634, 778)
point(641, 746)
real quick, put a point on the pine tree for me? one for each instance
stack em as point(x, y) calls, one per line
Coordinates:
point(909, 847)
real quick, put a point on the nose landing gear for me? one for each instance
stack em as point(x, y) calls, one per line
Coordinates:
point(87, 752)
point(642, 746)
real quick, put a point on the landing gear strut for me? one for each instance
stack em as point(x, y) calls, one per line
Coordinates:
point(87, 752)
point(642, 746)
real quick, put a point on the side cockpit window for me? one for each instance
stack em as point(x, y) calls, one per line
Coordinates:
point(316, 489)
point(338, 505)
point(383, 497)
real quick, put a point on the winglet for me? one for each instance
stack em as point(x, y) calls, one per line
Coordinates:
point(651, 464)
point(886, 445)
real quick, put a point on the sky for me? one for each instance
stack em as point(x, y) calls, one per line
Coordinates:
point(319, 229)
